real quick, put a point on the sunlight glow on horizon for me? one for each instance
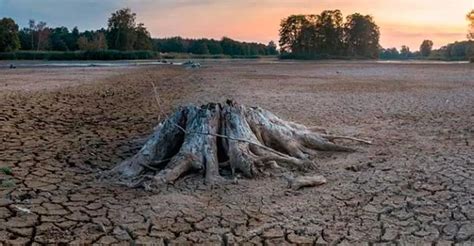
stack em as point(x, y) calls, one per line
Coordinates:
point(402, 22)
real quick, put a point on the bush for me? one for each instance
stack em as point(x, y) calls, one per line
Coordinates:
point(6, 170)
point(471, 60)
point(80, 55)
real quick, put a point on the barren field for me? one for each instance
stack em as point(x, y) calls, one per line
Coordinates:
point(60, 128)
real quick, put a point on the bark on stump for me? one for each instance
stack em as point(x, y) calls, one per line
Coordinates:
point(207, 139)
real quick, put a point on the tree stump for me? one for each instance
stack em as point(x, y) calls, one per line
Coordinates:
point(207, 139)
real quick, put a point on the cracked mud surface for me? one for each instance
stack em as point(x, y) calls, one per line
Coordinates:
point(415, 184)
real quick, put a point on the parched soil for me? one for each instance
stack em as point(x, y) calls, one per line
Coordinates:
point(61, 128)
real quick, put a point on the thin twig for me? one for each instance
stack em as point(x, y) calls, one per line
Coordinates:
point(157, 98)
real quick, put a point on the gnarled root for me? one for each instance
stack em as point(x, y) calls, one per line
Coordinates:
point(206, 139)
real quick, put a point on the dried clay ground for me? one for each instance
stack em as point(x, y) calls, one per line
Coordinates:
point(61, 127)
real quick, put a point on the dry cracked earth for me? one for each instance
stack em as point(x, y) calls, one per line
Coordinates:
point(61, 128)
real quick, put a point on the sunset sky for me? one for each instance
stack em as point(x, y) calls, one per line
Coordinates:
point(401, 21)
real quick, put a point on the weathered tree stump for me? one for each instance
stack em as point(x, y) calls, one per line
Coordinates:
point(207, 139)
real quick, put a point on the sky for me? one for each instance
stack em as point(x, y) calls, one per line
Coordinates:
point(402, 22)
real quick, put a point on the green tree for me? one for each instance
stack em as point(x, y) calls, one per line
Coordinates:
point(143, 38)
point(231, 47)
point(121, 33)
point(9, 40)
point(174, 44)
point(199, 47)
point(25, 39)
point(329, 32)
point(214, 47)
point(389, 54)
point(361, 36)
point(405, 52)
point(426, 47)
point(272, 48)
point(295, 31)
point(71, 40)
point(39, 35)
point(307, 44)
point(58, 38)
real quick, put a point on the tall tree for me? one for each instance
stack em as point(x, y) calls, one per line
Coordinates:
point(329, 32)
point(32, 28)
point(72, 39)
point(42, 33)
point(231, 47)
point(214, 47)
point(405, 52)
point(58, 39)
point(199, 47)
point(362, 36)
point(25, 39)
point(121, 33)
point(143, 38)
point(426, 47)
point(291, 30)
point(9, 40)
point(272, 48)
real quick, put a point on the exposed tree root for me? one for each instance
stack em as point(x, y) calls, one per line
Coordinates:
point(207, 139)
point(297, 183)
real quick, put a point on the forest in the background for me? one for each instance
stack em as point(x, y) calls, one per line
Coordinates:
point(457, 51)
point(224, 46)
point(327, 35)
point(122, 39)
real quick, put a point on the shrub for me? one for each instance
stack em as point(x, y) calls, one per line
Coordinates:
point(471, 60)
point(6, 170)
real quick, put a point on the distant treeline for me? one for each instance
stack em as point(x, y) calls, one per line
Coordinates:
point(224, 46)
point(457, 51)
point(123, 34)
